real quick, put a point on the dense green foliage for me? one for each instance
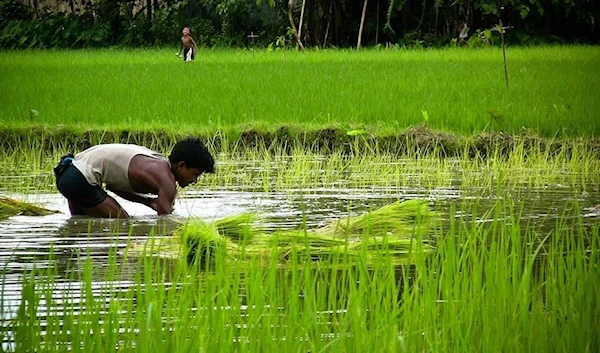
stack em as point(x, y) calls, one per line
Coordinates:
point(77, 23)
point(553, 91)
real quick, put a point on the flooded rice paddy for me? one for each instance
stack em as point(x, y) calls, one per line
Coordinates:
point(61, 241)
point(26, 241)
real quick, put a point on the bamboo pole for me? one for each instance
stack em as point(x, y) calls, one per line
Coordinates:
point(301, 19)
point(504, 53)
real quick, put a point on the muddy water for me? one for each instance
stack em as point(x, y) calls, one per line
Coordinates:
point(26, 242)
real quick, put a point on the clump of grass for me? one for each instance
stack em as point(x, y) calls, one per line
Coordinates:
point(239, 227)
point(10, 207)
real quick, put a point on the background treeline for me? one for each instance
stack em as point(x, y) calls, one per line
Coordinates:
point(291, 23)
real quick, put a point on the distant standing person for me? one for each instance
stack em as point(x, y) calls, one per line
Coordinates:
point(463, 32)
point(131, 172)
point(188, 45)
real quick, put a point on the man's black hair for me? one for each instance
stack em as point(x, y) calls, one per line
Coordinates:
point(195, 155)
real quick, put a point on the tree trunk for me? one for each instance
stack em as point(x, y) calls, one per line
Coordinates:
point(328, 23)
point(301, 19)
point(422, 15)
point(149, 9)
point(35, 9)
point(362, 23)
point(377, 24)
point(290, 7)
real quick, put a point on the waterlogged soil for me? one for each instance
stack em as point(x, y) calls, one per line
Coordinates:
point(27, 241)
point(62, 241)
point(415, 139)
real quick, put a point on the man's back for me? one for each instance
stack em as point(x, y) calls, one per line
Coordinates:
point(131, 172)
point(109, 164)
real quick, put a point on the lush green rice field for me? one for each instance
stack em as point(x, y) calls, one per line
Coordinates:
point(553, 90)
point(495, 275)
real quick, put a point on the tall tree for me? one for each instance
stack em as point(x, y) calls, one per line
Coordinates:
point(149, 10)
point(291, 4)
point(362, 23)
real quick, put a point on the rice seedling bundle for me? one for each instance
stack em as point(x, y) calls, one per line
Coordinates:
point(11, 207)
point(399, 230)
point(398, 218)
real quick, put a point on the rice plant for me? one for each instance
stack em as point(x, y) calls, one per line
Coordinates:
point(552, 90)
point(486, 286)
point(402, 229)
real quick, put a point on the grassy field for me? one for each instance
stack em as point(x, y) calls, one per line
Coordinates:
point(553, 90)
point(490, 281)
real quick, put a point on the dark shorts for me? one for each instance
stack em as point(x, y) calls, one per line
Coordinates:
point(75, 187)
point(185, 53)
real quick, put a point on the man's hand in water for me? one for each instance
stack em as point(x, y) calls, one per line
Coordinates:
point(152, 204)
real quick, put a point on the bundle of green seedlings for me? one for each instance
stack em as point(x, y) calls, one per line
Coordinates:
point(398, 230)
point(11, 207)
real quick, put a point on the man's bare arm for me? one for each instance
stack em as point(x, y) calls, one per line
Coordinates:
point(163, 205)
point(166, 198)
point(195, 48)
point(152, 176)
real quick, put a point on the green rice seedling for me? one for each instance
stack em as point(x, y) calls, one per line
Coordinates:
point(399, 228)
point(369, 249)
point(201, 242)
point(230, 91)
point(487, 287)
point(240, 228)
point(398, 218)
point(10, 207)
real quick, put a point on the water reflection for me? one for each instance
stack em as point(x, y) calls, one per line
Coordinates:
point(25, 242)
point(28, 242)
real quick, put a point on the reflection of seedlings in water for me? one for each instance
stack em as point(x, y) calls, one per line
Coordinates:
point(83, 226)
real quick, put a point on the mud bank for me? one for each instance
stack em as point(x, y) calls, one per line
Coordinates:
point(414, 140)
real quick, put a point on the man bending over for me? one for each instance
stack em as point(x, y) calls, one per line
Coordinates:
point(132, 172)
